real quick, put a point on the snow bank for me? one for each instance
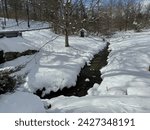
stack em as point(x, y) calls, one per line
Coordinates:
point(17, 44)
point(99, 104)
point(20, 102)
point(126, 80)
point(127, 70)
point(141, 91)
point(125, 85)
point(55, 66)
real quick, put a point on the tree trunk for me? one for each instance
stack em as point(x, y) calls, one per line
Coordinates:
point(4, 15)
point(6, 9)
point(28, 15)
point(16, 14)
point(67, 24)
point(126, 24)
point(66, 38)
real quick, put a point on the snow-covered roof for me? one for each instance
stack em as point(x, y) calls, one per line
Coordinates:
point(83, 30)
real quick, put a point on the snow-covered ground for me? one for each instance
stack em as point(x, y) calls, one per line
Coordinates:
point(99, 104)
point(23, 25)
point(55, 66)
point(20, 102)
point(128, 64)
point(125, 86)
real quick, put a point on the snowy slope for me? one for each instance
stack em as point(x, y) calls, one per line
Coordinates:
point(127, 70)
point(12, 25)
point(16, 44)
point(55, 66)
point(20, 102)
point(125, 86)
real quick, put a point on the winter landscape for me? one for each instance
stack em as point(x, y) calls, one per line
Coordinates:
point(67, 64)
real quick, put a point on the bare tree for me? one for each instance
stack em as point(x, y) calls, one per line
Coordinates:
point(4, 13)
point(63, 19)
point(28, 13)
point(6, 8)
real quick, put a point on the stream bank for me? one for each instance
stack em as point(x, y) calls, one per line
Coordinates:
point(88, 76)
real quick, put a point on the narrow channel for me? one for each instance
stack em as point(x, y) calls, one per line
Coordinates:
point(88, 76)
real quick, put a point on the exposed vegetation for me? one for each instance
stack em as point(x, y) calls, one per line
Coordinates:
point(9, 80)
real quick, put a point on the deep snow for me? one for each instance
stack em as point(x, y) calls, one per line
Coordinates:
point(20, 102)
point(125, 86)
point(127, 70)
point(55, 66)
point(99, 104)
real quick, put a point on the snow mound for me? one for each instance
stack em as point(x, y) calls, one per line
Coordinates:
point(99, 104)
point(140, 91)
point(21, 102)
point(93, 91)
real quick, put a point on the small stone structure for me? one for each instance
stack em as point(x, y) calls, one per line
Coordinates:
point(83, 32)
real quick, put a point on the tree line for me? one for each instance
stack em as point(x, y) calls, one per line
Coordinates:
point(69, 16)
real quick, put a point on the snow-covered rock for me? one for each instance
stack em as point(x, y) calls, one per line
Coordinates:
point(87, 80)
